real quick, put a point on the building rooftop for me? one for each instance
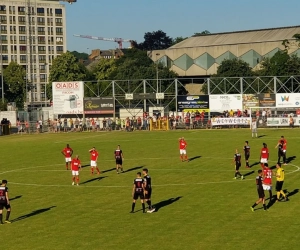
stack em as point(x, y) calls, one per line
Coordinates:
point(239, 37)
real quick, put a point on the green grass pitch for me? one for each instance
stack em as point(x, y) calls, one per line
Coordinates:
point(199, 204)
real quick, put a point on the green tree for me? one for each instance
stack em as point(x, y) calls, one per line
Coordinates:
point(104, 68)
point(178, 39)
point(203, 33)
point(66, 68)
point(275, 66)
point(234, 68)
point(79, 55)
point(155, 40)
point(14, 87)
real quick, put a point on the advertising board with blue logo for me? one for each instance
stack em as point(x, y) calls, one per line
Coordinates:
point(192, 103)
point(288, 100)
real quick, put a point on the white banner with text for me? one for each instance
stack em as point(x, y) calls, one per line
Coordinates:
point(231, 121)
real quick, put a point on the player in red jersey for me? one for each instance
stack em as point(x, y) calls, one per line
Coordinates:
point(67, 152)
point(282, 144)
point(264, 155)
point(182, 149)
point(267, 181)
point(94, 157)
point(75, 167)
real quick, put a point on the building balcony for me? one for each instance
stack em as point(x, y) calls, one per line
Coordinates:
point(41, 23)
point(40, 14)
point(42, 71)
point(50, 43)
point(42, 61)
point(41, 32)
point(59, 43)
point(5, 51)
point(3, 21)
point(58, 14)
point(42, 52)
point(42, 80)
point(3, 31)
point(12, 22)
point(41, 42)
point(23, 61)
point(22, 22)
point(23, 52)
point(22, 32)
point(2, 11)
point(58, 24)
point(5, 60)
point(4, 41)
point(22, 42)
point(59, 33)
point(59, 52)
point(12, 12)
point(50, 23)
point(49, 14)
point(13, 32)
point(21, 13)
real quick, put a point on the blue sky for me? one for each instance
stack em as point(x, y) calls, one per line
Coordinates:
point(131, 19)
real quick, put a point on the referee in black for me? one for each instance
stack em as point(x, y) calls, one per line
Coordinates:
point(4, 202)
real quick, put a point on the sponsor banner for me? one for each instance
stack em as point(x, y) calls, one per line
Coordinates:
point(100, 105)
point(267, 100)
point(192, 103)
point(219, 103)
point(282, 121)
point(250, 100)
point(288, 100)
point(67, 97)
point(231, 121)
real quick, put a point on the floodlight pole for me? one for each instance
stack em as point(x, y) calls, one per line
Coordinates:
point(1, 54)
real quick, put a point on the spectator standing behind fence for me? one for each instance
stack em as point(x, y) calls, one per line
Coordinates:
point(65, 125)
point(26, 127)
point(109, 124)
point(37, 126)
point(253, 127)
point(291, 122)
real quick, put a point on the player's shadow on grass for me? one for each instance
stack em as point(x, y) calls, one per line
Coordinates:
point(290, 159)
point(195, 158)
point(33, 213)
point(85, 166)
point(254, 164)
point(249, 173)
point(261, 136)
point(165, 203)
point(108, 170)
point(132, 169)
point(15, 198)
point(94, 179)
point(289, 194)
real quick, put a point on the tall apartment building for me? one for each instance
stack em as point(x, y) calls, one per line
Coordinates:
point(33, 33)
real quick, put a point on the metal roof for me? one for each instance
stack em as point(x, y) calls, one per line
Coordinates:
point(239, 37)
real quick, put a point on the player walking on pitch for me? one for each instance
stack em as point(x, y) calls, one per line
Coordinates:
point(267, 181)
point(75, 167)
point(247, 153)
point(67, 152)
point(264, 155)
point(119, 159)
point(94, 157)
point(281, 145)
point(138, 191)
point(148, 190)
point(279, 182)
point(237, 162)
point(260, 191)
point(254, 128)
point(4, 202)
point(182, 149)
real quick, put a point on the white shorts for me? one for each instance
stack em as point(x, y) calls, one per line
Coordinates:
point(68, 159)
point(284, 151)
point(182, 151)
point(93, 164)
point(75, 172)
point(263, 160)
point(267, 187)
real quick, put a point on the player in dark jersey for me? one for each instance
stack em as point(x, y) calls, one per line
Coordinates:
point(138, 191)
point(119, 159)
point(4, 202)
point(247, 153)
point(148, 190)
point(260, 191)
point(281, 153)
point(237, 162)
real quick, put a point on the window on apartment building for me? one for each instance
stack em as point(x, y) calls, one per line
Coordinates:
point(13, 58)
point(23, 48)
point(5, 57)
point(11, 8)
point(3, 28)
point(43, 76)
point(41, 39)
point(13, 48)
point(42, 58)
point(2, 7)
point(22, 28)
point(41, 48)
point(3, 37)
point(12, 28)
point(21, 9)
point(50, 39)
point(59, 39)
point(23, 57)
point(41, 29)
point(4, 48)
point(50, 48)
point(59, 48)
point(40, 19)
point(22, 19)
point(42, 67)
point(50, 20)
point(58, 11)
point(50, 30)
point(13, 38)
point(3, 18)
point(22, 38)
point(40, 10)
point(58, 20)
point(59, 30)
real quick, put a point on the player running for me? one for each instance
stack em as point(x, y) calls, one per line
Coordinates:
point(138, 191)
point(4, 202)
point(182, 149)
point(67, 152)
point(94, 157)
point(75, 167)
point(247, 153)
point(264, 155)
point(279, 182)
point(260, 191)
point(281, 145)
point(119, 159)
point(148, 190)
point(237, 163)
point(267, 181)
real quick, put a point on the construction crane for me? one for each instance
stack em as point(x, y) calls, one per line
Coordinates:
point(117, 40)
